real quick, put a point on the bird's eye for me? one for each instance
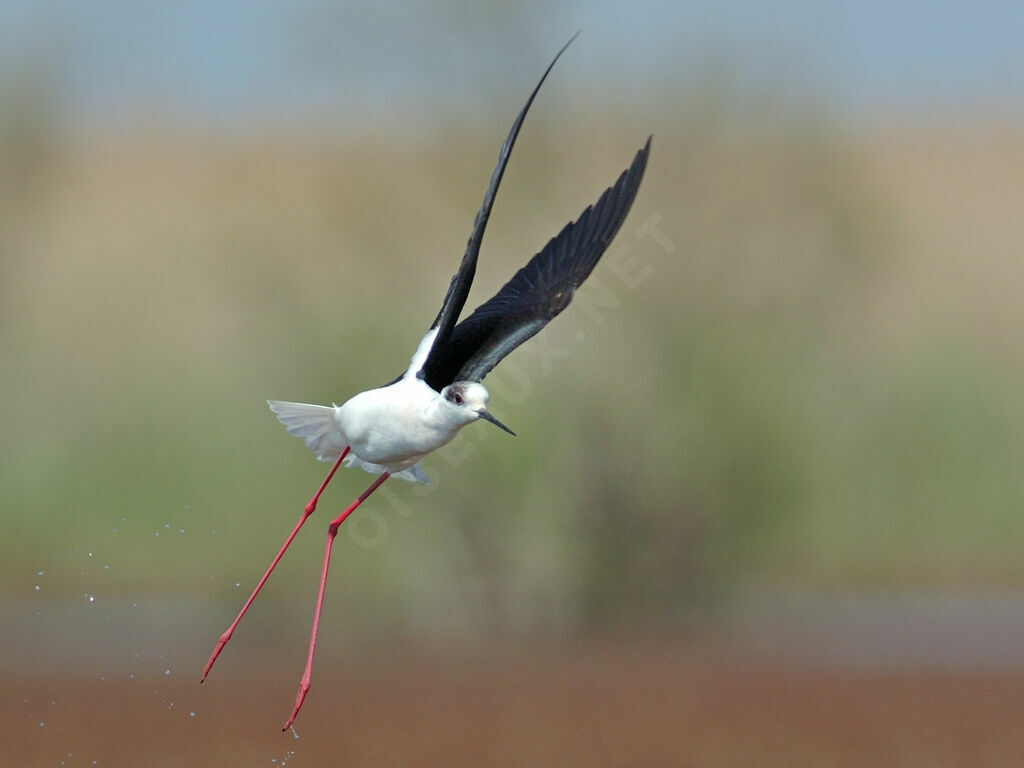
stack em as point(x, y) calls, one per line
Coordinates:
point(457, 398)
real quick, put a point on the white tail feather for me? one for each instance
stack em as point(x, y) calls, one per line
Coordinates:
point(316, 424)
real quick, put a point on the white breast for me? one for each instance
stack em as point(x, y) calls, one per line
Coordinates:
point(392, 426)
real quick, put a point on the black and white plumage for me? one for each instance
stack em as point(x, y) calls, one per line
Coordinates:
point(388, 430)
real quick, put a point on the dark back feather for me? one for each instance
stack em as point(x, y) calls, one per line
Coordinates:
point(538, 291)
point(458, 289)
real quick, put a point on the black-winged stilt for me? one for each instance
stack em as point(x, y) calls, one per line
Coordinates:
point(389, 429)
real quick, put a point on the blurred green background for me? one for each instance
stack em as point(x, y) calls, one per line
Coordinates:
point(794, 381)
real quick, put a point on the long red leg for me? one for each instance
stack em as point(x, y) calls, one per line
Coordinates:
point(332, 531)
point(309, 509)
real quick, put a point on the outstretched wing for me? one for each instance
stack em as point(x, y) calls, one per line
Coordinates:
point(538, 291)
point(458, 290)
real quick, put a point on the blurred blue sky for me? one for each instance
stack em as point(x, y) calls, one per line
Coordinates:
point(229, 63)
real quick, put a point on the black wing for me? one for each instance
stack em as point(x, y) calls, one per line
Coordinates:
point(538, 291)
point(458, 290)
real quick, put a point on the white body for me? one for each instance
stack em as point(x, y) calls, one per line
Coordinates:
point(388, 429)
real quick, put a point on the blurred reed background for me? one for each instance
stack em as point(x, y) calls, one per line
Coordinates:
point(769, 458)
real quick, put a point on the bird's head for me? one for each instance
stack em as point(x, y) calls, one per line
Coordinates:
point(471, 398)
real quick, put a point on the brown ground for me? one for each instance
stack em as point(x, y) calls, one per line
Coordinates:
point(614, 705)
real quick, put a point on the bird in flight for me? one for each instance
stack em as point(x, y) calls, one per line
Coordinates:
point(388, 430)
